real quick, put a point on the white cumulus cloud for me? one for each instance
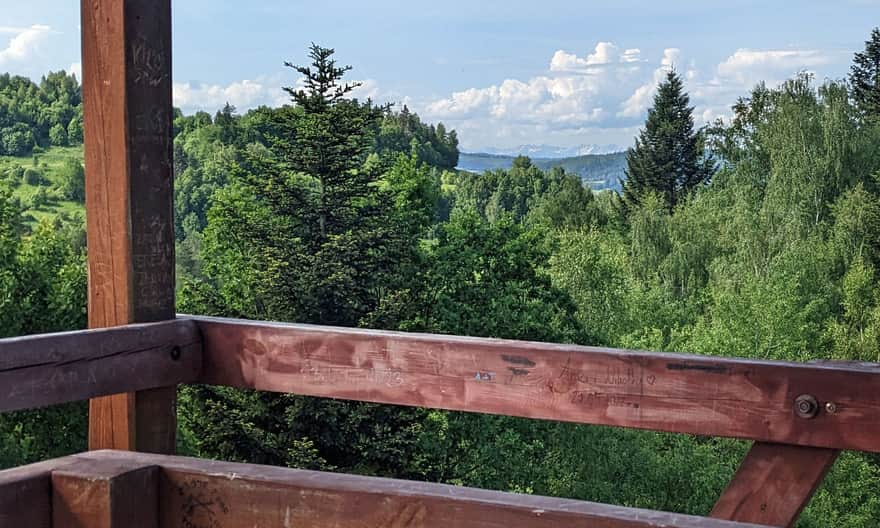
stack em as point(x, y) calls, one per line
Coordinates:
point(575, 94)
point(25, 43)
point(747, 66)
point(243, 95)
point(603, 95)
point(605, 53)
point(247, 94)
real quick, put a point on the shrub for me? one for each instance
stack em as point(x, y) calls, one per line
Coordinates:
point(72, 181)
point(34, 177)
point(58, 135)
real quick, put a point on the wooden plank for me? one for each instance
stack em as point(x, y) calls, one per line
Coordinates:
point(774, 483)
point(49, 369)
point(26, 494)
point(128, 151)
point(104, 493)
point(196, 492)
point(664, 392)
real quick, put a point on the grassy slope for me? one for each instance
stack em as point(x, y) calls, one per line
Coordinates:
point(49, 162)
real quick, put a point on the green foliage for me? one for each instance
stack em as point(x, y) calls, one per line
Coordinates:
point(42, 289)
point(310, 228)
point(553, 199)
point(17, 140)
point(483, 278)
point(865, 77)
point(404, 132)
point(35, 177)
point(72, 181)
point(337, 211)
point(34, 115)
point(601, 172)
point(668, 158)
point(58, 135)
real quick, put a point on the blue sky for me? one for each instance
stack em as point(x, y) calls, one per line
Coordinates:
point(503, 73)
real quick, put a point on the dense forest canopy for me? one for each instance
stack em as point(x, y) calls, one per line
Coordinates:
point(755, 237)
point(39, 115)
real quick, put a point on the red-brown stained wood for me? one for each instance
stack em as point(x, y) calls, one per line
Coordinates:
point(127, 116)
point(56, 368)
point(774, 483)
point(26, 495)
point(106, 493)
point(664, 392)
point(201, 493)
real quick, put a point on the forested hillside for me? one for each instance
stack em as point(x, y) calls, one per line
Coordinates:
point(758, 237)
point(599, 171)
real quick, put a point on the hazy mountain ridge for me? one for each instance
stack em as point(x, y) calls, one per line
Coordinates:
point(554, 151)
point(600, 171)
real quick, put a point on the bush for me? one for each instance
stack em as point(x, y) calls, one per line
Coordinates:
point(75, 130)
point(37, 200)
point(14, 175)
point(58, 135)
point(17, 140)
point(72, 181)
point(33, 176)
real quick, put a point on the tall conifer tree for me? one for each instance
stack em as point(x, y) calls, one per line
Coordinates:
point(668, 157)
point(865, 77)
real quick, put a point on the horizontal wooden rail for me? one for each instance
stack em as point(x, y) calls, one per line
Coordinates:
point(42, 370)
point(112, 489)
point(835, 405)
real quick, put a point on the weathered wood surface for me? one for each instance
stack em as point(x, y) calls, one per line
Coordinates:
point(128, 154)
point(49, 369)
point(201, 493)
point(774, 483)
point(26, 494)
point(105, 493)
point(664, 392)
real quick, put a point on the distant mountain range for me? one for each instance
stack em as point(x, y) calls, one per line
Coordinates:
point(599, 171)
point(553, 151)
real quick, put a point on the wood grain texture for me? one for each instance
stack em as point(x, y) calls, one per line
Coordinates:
point(774, 483)
point(665, 392)
point(49, 369)
point(201, 493)
point(26, 494)
point(105, 493)
point(128, 151)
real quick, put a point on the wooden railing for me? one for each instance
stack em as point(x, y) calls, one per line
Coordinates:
point(799, 416)
point(133, 490)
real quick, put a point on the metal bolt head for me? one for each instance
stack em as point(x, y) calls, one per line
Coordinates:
point(175, 353)
point(806, 406)
point(831, 407)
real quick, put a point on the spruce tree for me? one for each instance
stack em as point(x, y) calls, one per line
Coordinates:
point(865, 77)
point(668, 157)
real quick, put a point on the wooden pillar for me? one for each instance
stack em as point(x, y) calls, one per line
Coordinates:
point(126, 46)
point(101, 494)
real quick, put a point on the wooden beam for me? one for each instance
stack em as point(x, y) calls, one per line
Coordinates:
point(103, 493)
point(774, 484)
point(42, 370)
point(665, 392)
point(126, 47)
point(26, 494)
point(196, 492)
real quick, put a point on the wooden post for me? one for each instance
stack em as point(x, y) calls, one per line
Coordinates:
point(126, 46)
point(102, 494)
